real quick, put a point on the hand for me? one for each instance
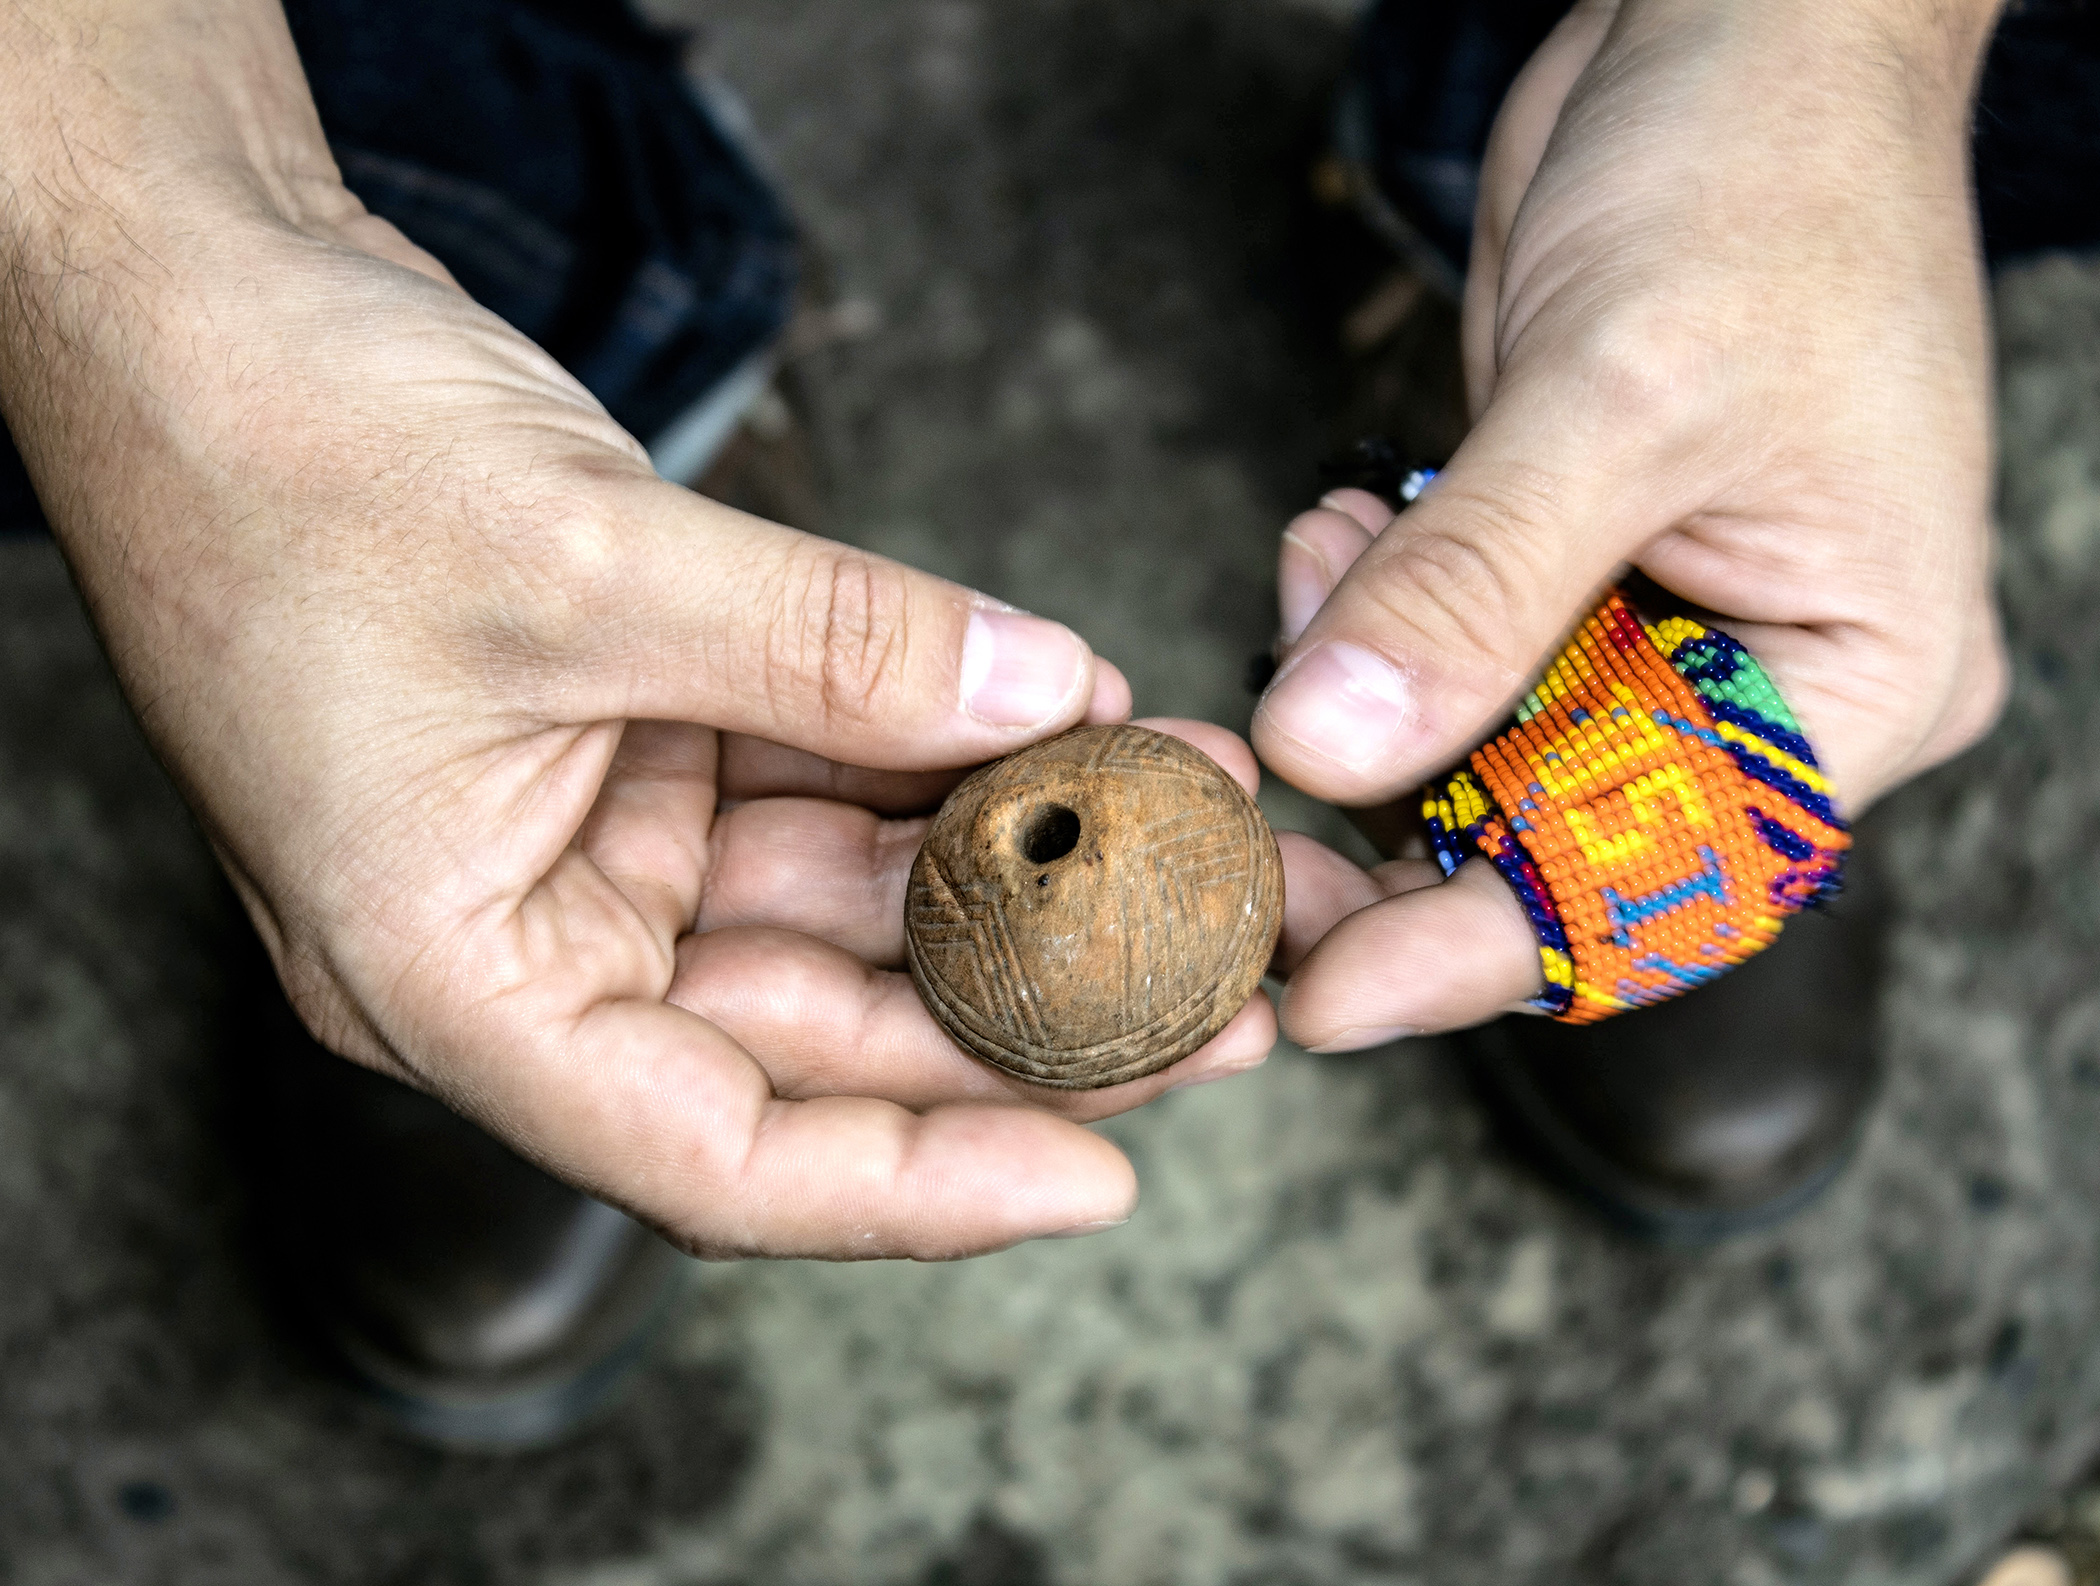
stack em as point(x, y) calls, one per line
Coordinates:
point(1724, 322)
point(572, 798)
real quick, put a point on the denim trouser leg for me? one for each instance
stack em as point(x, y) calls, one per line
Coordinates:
point(551, 154)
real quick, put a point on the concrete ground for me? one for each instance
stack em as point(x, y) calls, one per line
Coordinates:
point(1347, 1338)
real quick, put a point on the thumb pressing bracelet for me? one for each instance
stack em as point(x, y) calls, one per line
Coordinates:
point(1656, 809)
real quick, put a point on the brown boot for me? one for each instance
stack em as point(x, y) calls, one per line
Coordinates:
point(1723, 1111)
point(482, 1303)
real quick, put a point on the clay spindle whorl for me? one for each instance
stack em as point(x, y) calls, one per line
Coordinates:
point(1094, 907)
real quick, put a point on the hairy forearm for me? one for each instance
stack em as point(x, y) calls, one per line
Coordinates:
point(143, 143)
point(132, 106)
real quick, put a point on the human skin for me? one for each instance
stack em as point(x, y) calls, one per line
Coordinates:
point(1724, 322)
point(553, 789)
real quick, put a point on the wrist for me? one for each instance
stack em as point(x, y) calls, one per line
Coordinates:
point(1927, 51)
point(154, 114)
point(147, 149)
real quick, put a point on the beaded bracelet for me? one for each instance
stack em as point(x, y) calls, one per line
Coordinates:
point(1654, 806)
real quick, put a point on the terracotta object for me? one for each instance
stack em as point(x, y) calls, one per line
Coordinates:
point(1093, 908)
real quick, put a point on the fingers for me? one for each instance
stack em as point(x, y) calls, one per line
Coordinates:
point(824, 1024)
point(1984, 684)
point(772, 1093)
point(769, 1093)
point(1318, 548)
point(1434, 957)
point(1227, 748)
point(831, 869)
point(647, 831)
point(661, 1113)
point(644, 600)
point(1111, 701)
point(827, 870)
point(1245, 1042)
point(574, 1052)
point(752, 768)
point(1441, 623)
point(1321, 889)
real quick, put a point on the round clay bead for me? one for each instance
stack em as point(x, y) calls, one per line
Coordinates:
point(1093, 908)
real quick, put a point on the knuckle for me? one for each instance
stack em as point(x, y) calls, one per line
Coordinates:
point(1645, 371)
point(840, 640)
point(316, 998)
point(1465, 591)
point(1980, 697)
point(559, 561)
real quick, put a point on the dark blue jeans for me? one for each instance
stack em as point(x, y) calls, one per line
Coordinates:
point(552, 154)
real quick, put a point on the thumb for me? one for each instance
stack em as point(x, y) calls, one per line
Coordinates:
point(686, 610)
point(1447, 618)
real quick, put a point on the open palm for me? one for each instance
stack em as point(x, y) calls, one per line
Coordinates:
point(546, 782)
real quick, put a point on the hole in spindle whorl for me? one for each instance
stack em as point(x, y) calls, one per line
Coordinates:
point(1051, 833)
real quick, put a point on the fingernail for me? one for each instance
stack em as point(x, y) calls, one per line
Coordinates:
point(1220, 1071)
point(1367, 1035)
point(1340, 702)
point(1017, 670)
point(1302, 587)
point(1081, 1230)
point(1343, 501)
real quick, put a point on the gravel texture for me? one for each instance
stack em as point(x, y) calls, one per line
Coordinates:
point(1346, 1338)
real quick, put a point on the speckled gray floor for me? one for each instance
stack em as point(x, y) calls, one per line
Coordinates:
point(1346, 1338)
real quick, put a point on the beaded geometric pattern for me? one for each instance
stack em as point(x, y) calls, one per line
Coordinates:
point(1655, 808)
